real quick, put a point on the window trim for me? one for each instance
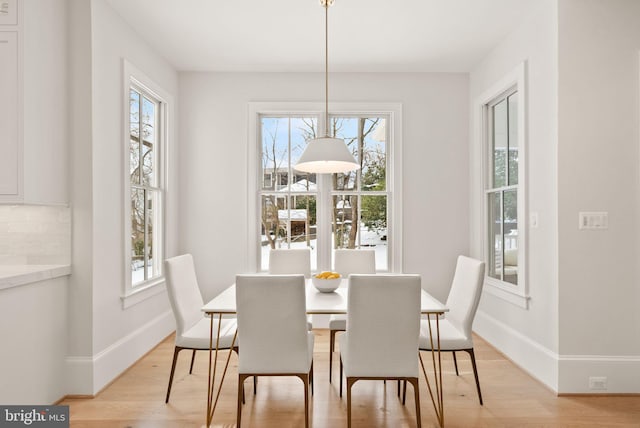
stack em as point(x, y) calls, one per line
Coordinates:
point(515, 79)
point(394, 154)
point(133, 77)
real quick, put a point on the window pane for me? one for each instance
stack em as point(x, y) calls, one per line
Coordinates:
point(275, 152)
point(148, 141)
point(510, 230)
point(374, 154)
point(348, 129)
point(302, 224)
point(134, 140)
point(302, 130)
point(137, 236)
point(154, 257)
point(270, 204)
point(345, 209)
point(500, 143)
point(495, 236)
point(288, 228)
point(373, 229)
point(513, 138)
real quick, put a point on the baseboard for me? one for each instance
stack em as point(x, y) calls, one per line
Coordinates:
point(535, 359)
point(88, 375)
point(79, 375)
point(621, 374)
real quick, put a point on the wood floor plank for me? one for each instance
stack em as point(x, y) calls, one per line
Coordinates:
point(511, 398)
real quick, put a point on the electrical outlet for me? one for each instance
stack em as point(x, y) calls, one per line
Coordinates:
point(593, 220)
point(597, 383)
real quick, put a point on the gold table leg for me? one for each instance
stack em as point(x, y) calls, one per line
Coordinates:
point(211, 386)
point(438, 402)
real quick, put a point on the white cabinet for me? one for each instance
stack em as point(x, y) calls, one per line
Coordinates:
point(10, 112)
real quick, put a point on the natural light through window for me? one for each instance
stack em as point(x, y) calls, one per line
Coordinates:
point(359, 198)
point(502, 192)
point(297, 209)
point(145, 185)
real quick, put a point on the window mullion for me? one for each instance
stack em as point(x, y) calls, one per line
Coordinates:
point(502, 247)
point(140, 142)
point(289, 182)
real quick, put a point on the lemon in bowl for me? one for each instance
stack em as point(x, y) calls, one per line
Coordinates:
point(326, 282)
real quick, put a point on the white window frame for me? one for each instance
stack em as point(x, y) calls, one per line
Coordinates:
point(393, 111)
point(134, 78)
point(513, 81)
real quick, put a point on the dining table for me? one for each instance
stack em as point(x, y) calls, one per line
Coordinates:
point(323, 303)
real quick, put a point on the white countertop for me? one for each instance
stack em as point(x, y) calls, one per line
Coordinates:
point(16, 275)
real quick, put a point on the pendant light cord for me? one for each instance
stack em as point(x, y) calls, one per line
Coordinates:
point(326, 67)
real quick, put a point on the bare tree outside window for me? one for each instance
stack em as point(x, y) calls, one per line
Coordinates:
point(360, 196)
point(144, 183)
point(289, 198)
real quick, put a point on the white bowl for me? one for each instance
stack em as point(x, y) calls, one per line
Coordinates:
point(326, 285)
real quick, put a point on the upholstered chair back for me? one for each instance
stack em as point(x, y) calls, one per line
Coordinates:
point(465, 292)
point(290, 261)
point(354, 261)
point(184, 293)
point(383, 326)
point(272, 324)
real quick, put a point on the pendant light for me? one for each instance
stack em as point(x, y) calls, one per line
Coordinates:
point(326, 155)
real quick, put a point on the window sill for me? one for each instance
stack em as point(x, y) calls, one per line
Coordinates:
point(509, 293)
point(143, 292)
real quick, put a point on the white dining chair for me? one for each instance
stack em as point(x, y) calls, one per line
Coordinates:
point(455, 328)
point(346, 262)
point(383, 327)
point(192, 327)
point(290, 261)
point(271, 312)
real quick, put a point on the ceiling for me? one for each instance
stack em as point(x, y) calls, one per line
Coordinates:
point(288, 35)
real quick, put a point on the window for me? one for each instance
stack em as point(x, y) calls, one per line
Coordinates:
point(504, 188)
point(288, 198)
point(145, 123)
point(359, 198)
point(325, 211)
point(502, 192)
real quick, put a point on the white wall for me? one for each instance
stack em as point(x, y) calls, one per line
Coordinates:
point(113, 40)
point(80, 290)
point(213, 163)
point(528, 336)
point(117, 336)
point(45, 73)
point(599, 44)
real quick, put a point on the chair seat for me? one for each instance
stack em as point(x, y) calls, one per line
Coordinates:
point(197, 337)
point(451, 339)
point(338, 322)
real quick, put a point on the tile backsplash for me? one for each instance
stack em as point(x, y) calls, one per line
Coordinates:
point(35, 234)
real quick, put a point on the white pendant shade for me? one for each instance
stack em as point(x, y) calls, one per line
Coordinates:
point(326, 155)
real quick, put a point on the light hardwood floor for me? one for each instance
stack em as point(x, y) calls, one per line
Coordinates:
point(511, 398)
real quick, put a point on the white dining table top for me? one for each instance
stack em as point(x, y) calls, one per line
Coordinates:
point(317, 302)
